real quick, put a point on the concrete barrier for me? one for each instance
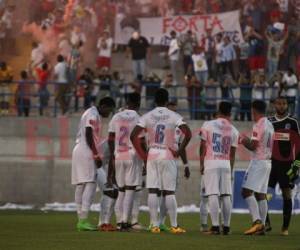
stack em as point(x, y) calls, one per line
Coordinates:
point(35, 160)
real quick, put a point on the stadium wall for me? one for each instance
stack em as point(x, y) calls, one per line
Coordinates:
point(35, 160)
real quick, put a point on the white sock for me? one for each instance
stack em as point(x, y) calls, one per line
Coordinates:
point(119, 206)
point(214, 207)
point(127, 205)
point(153, 204)
point(162, 210)
point(78, 199)
point(87, 199)
point(106, 209)
point(171, 207)
point(203, 210)
point(136, 207)
point(253, 207)
point(263, 210)
point(226, 210)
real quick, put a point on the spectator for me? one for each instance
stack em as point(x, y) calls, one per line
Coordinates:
point(173, 54)
point(7, 19)
point(23, 95)
point(218, 54)
point(62, 85)
point(210, 98)
point(194, 91)
point(243, 56)
point(6, 77)
point(64, 46)
point(290, 83)
point(170, 84)
point(73, 63)
point(226, 85)
point(297, 47)
point(275, 45)
point(85, 89)
point(245, 96)
point(256, 51)
point(187, 42)
point(37, 56)
point(259, 87)
point(209, 44)
point(200, 65)
point(43, 75)
point(77, 36)
point(228, 55)
point(139, 47)
point(276, 86)
point(104, 45)
point(116, 85)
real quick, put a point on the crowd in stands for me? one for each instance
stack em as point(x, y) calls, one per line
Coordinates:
point(73, 47)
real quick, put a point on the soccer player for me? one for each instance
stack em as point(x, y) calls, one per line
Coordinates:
point(219, 140)
point(109, 193)
point(255, 183)
point(160, 125)
point(128, 165)
point(172, 105)
point(86, 159)
point(286, 134)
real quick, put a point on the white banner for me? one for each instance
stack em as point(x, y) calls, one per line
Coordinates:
point(157, 29)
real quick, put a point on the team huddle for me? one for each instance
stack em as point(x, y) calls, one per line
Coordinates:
point(143, 151)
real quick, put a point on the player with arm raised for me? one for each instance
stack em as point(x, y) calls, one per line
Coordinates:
point(86, 159)
point(285, 141)
point(160, 125)
point(128, 165)
point(255, 184)
point(219, 140)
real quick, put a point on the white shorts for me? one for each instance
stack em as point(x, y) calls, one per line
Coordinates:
point(129, 172)
point(83, 165)
point(162, 174)
point(217, 181)
point(202, 187)
point(257, 176)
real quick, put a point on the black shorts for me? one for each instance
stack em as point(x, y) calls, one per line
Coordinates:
point(278, 174)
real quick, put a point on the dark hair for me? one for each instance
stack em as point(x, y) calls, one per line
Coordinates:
point(161, 96)
point(259, 106)
point(225, 108)
point(290, 70)
point(107, 101)
point(173, 33)
point(45, 66)
point(130, 21)
point(281, 97)
point(134, 98)
point(60, 58)
point(23, 74)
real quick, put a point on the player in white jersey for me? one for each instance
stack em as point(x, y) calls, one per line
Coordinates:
point(127, 163)
point(256, 179)
point(219, 140)
point(172, 105)
point(109, 193)
point(160, 125)
point(86, 159)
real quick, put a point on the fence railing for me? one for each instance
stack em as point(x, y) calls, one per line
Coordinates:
point(200, 102)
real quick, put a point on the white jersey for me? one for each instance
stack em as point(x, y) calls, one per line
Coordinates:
point(263, 131)
point(122, 125)
point(90, 118)
point(160, 125)
point(220, 135)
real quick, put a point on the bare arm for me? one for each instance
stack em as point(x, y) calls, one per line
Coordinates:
point(91, 143)
point(232, 157)
point(187, 137)
point(136, 142)
point(249, 144)
point(202, 155)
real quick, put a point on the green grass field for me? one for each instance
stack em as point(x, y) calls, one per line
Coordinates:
point(32, 230)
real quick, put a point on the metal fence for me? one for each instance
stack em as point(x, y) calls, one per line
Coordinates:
point(192, 102)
